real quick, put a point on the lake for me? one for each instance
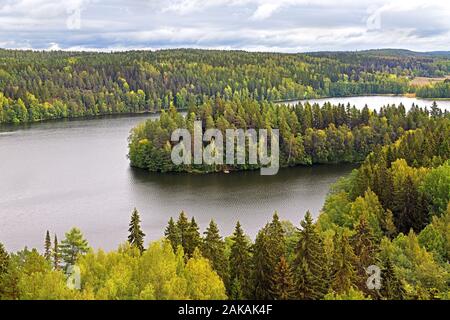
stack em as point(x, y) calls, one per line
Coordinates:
point(375, 102)
point(56, 175)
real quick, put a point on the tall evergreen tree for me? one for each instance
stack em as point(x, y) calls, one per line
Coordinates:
point(276, 235)
point(310, 263)
point(136, 235)
point(410, 209)
point(270, 246)
point(183, 228)
point(264, 263)
point(283, 284)
point(192, 237)
point(391, 286)
point(48, 247)
point(240, 264)
point(173, 234)
point(56, 254)
point(344, 272)
point(364, 248)
point(213, 249)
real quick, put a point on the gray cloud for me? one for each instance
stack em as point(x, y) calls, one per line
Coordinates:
point(263, 25)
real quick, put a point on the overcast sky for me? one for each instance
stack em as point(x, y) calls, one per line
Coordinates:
point(256, 25)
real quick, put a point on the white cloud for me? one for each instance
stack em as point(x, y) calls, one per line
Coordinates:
point(263, 25)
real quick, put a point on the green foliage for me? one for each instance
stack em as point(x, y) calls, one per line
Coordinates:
point(351, 294)
point(136, 235)
point(73, 246)
point(436, 188)
point(310, 262)
point(158, 273)
point(213, 249)
point(173, 234)
point(283, 284)
point(48, 246)
point(344, 274)
point(240, 265)
point(268, 249)
point(73, 84)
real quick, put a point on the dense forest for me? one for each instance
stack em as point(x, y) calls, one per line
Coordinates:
point(309, 134)
point(37, 86)
point(393, 212)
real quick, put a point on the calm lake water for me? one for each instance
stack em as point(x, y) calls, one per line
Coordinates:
point(56, 175)
point(375, 102)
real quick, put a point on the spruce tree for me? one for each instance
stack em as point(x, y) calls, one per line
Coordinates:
point(391, 285)
point(283, 284)
point(410, 209)
point(364, 248)
point(213, 249)
point(276, 235)
point(270, 246)
point(56, 254)
point(48, 247)
point(309, 266)
point(172, 234)
point(240, 264)
point(264, 263)
point(192, 237)
point(136, 235)
point(344, 272)
point(183, 226)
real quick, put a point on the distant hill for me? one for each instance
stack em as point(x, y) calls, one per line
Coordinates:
point(383, 52)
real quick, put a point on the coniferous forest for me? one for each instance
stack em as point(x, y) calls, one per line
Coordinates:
point(36, 86)
point(392, 212)
point(214, 159)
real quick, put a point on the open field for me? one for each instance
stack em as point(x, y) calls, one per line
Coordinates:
point(422, 81)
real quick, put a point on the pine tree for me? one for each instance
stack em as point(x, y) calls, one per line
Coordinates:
point(240, 264)
point(73, 246)
point(192, 237)
point(56, 254)
point(172, 234)
point(213, 249)
point(283, 285)
point(391, 285)
point(136, 235)
point(48, 247)
point(310, 263)
point(344, 271)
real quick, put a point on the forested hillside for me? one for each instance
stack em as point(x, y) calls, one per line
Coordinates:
point(36, 86)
